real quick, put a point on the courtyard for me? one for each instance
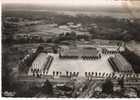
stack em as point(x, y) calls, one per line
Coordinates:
point(80, 65)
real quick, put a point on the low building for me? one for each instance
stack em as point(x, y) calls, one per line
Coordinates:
point(70, 23)
point(41, 64)
point(110, 50)
point(120, 64)
point(63, 27)
point(20, 36)
point(78, 52)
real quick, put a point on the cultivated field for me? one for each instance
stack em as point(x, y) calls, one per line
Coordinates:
point(80, 65)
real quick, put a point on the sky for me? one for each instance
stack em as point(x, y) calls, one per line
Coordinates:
point(70, 2)
point(78, 3)
point(133, 6)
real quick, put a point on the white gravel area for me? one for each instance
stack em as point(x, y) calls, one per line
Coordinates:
point(80, 65)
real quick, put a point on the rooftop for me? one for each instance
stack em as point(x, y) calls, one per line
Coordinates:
point(122, 63)
point(39, 61)
point(79, 52)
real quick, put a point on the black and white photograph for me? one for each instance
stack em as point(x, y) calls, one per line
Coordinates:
point(70, 49)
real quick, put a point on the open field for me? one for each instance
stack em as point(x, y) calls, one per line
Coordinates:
point(45, 29)
point(80, 65)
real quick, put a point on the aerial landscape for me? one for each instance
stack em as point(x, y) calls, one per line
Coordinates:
point(70, 50)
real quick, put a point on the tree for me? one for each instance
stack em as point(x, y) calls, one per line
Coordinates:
point(127, 37)
point(92, 31)
point(107, 87)
point(73, 35)
point(54, 49)
point(121, 82)
point(47, 88)
point(39, 49)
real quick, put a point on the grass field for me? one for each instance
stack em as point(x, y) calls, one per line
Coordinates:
point(80, 65)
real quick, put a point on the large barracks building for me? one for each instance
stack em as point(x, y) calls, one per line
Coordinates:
point(120, 64)
point(80, 52)
point(80, 60)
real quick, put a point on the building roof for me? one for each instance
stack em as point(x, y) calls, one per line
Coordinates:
point(111, 49)
point(40, 61)
point(79, 52)
point(122, 63)
point(89, 52)
point(70, 52)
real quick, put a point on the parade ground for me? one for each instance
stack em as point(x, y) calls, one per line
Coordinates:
point(80, 65)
